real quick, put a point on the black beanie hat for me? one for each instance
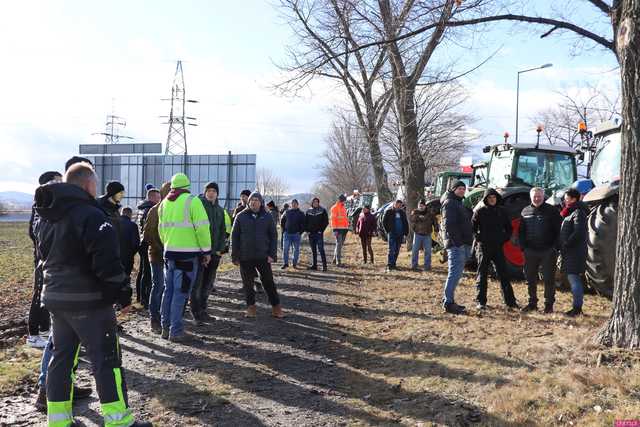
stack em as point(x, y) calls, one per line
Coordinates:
point(458, 184)
point(48, 176)
point(245, 193)
point(342, 198)
point(213, 185)
point(113, 188)
point(76, 159)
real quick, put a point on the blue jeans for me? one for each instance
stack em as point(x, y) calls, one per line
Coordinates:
point(458, 256)
point(394, 249)
point(178, 281)
point(576, 289)
point(421, 241)
point(44, 363)
point(157, 288)
point(291, 239)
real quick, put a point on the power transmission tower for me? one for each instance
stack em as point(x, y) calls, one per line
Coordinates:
point(113, 125)
point(177, 119)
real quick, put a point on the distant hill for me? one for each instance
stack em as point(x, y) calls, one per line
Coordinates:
point(15, 200)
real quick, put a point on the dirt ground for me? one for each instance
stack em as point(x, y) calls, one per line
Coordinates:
point(361, 347)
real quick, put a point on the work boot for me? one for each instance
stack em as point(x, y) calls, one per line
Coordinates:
point(453, 308)
point(183, 338)
point(575, 311)
point(251, 312)
point(529, 307)
point(156, 328)
point(276, 311)
point(548, 308)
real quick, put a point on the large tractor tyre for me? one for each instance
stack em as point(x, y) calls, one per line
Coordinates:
point(601, 254)
point(514, 257)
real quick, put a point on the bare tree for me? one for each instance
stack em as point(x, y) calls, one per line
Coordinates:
point(346, 162)
point(587, 103)
point(271, 185)
point(443, 129)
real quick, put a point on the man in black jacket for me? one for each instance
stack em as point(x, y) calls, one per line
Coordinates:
point(292, 223)
point(253, 247)
point(38, 320)
point(491, 229)
point(316, 222)
point(457, 237)
point(538, 238)
point(83, 278)
point(396, 226)
point(143, 278)
point(130, 240)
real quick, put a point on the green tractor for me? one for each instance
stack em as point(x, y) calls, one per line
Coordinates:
point(604, 172)
point(354, 206)
point(512, 171)
point(444, 181)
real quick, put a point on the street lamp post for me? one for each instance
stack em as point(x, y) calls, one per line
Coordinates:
point(518, 91)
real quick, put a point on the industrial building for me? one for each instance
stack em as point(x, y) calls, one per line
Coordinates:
point(135, 165)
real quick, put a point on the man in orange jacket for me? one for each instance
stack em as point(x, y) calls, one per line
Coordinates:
point(340, 227)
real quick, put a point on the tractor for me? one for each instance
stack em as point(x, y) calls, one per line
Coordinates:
point(604, 172)
point(354, 206)
point(512, 171)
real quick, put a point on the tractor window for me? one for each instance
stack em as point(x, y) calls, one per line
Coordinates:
point(500, 169)
point(606, 165)
point(551, 171)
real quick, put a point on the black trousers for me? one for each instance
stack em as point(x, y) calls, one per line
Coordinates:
point(96, 330)
point(534, 260)
point(143, 279)
point(38, 316)
point(202, 287)
point(248, 273)
point(316, 241)
point(492, 254)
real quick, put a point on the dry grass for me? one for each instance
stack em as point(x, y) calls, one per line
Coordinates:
point(517, 369)
point(16, 269)
point(17, 365)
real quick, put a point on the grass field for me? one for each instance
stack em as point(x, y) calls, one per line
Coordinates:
point(16, 269)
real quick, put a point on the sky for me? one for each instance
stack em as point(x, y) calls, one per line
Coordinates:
point(68, 64)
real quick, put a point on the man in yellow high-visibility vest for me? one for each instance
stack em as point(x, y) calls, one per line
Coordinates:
point(183, 225)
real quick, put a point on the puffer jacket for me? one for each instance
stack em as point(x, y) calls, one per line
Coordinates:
point(253, 236)
point(539, 227)
point(491, 224)
point(456, 222)
point(79, 248)
point(574, 238)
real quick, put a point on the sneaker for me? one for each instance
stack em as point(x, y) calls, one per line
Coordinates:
point(453, 308)
point(529, 307)
point(36, 341)
point(284, 267)
point(575, 311)
point(165, 333)
point(548, 309)
point(481, 306)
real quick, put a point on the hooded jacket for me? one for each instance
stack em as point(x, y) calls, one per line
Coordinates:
point(456, 222)
point(574, 238)
point(316, 220)
point(491, 224)
point(253, 236)
point(79, 248)
point(217, 226)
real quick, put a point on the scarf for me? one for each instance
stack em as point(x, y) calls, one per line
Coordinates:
point(175, 193)
point(568, 208)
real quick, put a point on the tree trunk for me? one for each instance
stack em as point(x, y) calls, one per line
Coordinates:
point(623, 328)
point(379, 174)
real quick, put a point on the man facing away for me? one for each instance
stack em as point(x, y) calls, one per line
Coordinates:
point(253, 247)
point(538, 236)
point(184, 230)
point(340, 227)
point(292, 223)
point(207, 275)
point(316, 222)
point(83, 278)
point(130, 240)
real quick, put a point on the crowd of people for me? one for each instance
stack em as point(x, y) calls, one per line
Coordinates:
point(84, 249)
